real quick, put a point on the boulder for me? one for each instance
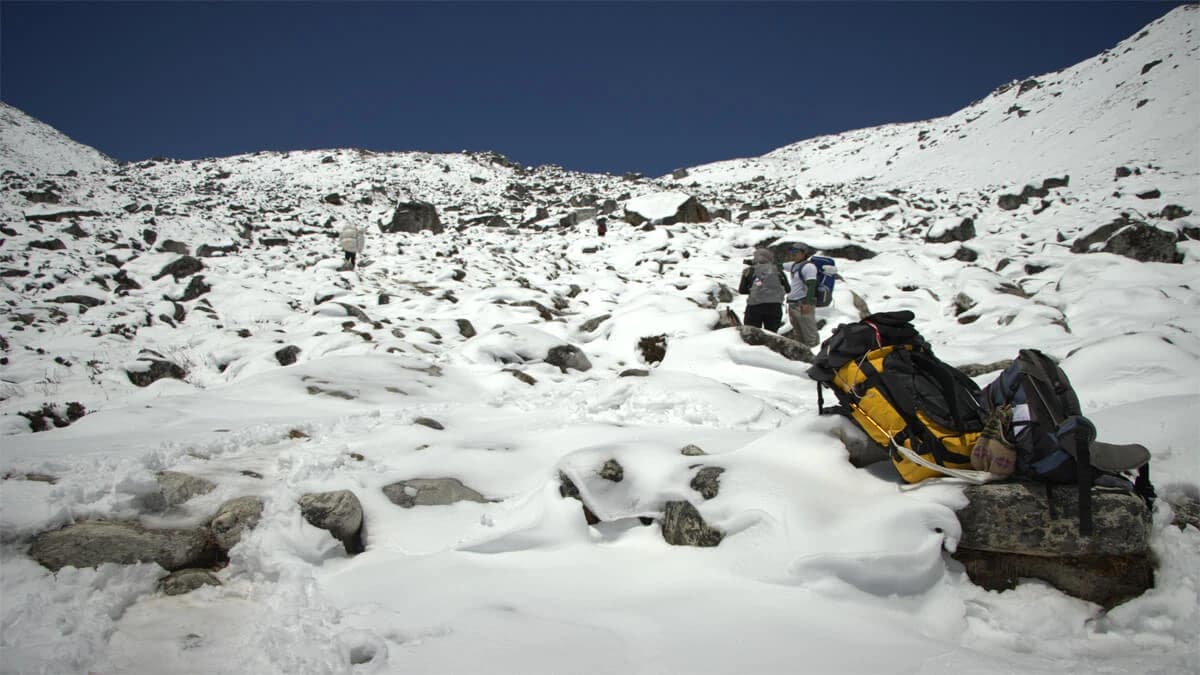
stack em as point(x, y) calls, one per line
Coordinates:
point(233, 518)
point(1132, 239)
point(1031, 530)
point(465, 328)
point(181, 267)
point(414, 217)
point(707, 481)
point(430, 492)
point(682, 525)
point(287, 355)
point(653, 348)
point(964, 231)
point(146, 371)
point(208, 251)
point(195, 288)
point(787, 348)
point(338, 512)
point(90, 543)
point(568, 356)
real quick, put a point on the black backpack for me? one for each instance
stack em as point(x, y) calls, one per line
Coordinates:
point(887, 379)
point(1054, 442)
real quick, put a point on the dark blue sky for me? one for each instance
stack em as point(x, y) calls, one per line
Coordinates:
point(593, 86)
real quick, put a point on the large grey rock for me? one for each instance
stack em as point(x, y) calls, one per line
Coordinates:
point(90, 543)
point(233, 518)
point(568, 357)
point(1019, 518)
point(788, 349)
point(413, 217)
point(338, 512)
point(962, 232)
point(431, 492)
point(1012, 531)
point(690, 211)
point(683, 525)
point(186, 581)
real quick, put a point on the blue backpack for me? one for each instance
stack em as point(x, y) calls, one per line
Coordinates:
point(1054, 442)
point(826, 275)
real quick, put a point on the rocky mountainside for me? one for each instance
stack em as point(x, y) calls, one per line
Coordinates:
point(1102, 155)
point(182, 356)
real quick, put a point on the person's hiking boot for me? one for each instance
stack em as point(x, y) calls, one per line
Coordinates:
point(992, 452)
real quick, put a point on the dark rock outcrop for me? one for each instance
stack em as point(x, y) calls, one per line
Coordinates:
point(147, 371)
point(414, 217)
point(186, 581)
point(1133, 239)
point(707, 481)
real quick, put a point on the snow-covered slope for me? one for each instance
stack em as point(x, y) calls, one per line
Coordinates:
point(826, 566)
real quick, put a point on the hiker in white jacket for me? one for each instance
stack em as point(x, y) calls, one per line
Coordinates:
point(352, 240)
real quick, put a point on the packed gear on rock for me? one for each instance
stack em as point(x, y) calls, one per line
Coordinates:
point(764, 281)
point(888, 380)
point(812, 280)
point(1052, 441)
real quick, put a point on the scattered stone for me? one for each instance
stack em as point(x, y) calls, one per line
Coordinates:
point(566, 357)
point(209, 251)
point(568, 490)
point(235, 517)
point(431, 492)
point(692, 451)
point(787, 348)
point(172, 246)
point(1173, 211)
point(653, 348)
point(682, 525)
point(524, 377)
point(147, 371)
point(355, 311)
point(634, 372)
point(431, 423)
point(54, 415)
point(708, 481)
point(48, 245)
point(592, 324)
point(1149, 194)
point(964, 231)
point(180, 268)
point(90, 543)
point(849, 252)
point(185, 581)
point(287, 355)
point(338, 512)
point(870, 204)
point(977, 369)
point(613, 471)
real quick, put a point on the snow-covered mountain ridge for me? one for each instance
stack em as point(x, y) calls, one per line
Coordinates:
point(191, 316)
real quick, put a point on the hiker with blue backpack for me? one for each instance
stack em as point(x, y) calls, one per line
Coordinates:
point(811, 280)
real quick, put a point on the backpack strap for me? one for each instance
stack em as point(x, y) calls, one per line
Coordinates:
point(1083, 470)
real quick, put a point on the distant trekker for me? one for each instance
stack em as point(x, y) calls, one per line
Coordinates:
point(812, 279)
point(352, 240)
point(767, 286)
point(601, 227)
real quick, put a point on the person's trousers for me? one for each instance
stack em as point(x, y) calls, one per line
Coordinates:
point(350, 257)
point(768, 316)
point(804, 325)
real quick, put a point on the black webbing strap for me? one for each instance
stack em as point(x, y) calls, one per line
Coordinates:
point(1083, 471)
